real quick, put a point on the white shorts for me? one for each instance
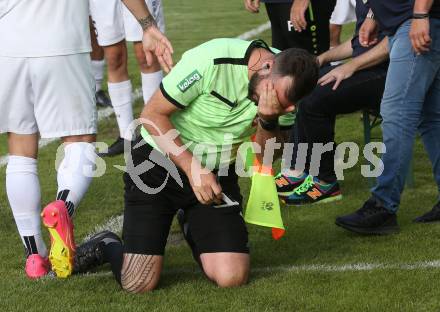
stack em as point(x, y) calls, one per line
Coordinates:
point(344, 12)
point(114, 22)
point(54, 96)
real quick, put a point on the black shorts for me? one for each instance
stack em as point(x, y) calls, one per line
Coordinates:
point(316, 37)
point(148, 217)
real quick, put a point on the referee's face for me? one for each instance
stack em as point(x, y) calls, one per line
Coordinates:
point(259, 81)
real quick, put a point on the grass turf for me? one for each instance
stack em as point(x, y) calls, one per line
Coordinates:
point(311, 236)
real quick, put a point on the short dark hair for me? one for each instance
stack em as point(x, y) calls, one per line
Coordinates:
point(302, 67)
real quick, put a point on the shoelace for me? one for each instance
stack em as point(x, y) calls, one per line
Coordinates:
point(90, 256)
point(308, 182)
point(369, 208)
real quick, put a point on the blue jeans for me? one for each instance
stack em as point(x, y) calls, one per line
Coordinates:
point(411, 102)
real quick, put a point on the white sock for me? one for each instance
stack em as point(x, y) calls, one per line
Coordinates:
point(150, 83)
point(122, 100)
point(75, 173)
point(23, 190)
point(98, 73)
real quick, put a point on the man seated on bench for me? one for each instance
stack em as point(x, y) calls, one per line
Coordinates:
point(343, 89)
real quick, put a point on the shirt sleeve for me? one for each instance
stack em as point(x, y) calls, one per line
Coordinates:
point(287, 121)
point(185, 81)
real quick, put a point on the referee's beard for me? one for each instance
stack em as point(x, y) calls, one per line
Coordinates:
point(254, 82)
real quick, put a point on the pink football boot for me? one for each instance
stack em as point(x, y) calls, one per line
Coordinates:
point(62, 244)
point(37, 266)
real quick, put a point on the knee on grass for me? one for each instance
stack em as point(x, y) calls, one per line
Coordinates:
point(226, 272)
point(228, 277)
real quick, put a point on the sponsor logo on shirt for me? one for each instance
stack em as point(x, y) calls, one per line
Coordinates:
point(189, 81)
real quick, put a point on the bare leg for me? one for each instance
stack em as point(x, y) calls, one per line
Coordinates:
point(116, 56)
point(97, 53)
point(335, 35)
point(142, 62)
point(226, 269)
point(25, 145)
point(140, 273)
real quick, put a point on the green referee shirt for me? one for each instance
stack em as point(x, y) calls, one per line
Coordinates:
point(210, 86)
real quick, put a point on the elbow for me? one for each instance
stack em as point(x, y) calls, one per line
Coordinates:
point(147, 113)
point(149, 117)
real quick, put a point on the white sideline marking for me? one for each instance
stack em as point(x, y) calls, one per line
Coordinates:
point(102, 114)
point(254, 32)
point(355, 267)
point(114, 224)
point(320, 268)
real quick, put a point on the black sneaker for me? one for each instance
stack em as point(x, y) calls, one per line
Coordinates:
point(90, 254)
point(431, 216)
point(102, 99)
point(372, 218)
point(287, 184)
point(313, 192)
point(117, 148)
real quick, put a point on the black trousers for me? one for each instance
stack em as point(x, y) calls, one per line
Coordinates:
point(315, 120)
point(315, 39)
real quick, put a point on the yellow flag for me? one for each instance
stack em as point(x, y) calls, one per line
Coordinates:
point(263, 207)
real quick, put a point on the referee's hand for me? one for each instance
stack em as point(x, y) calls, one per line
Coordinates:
point(205, 186)
point(269, 107)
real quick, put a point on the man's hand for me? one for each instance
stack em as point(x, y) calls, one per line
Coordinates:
point(419, 35)
point(297, 14)
point(252, 6)
point(155, 43)
point(205, 186)
point(368, 33)
point(321, 59)
point(337, 75)
point(269, 108)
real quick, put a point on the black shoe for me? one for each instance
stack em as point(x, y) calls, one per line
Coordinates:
point(431, 216)
point(180, 216)
point(312, 192)
point(90, 254)
point(372, 218)
point(117, 148)
point(102, 99)
point(183, 224)
point(286, 185)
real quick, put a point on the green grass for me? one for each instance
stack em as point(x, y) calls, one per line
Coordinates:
point(311, 236)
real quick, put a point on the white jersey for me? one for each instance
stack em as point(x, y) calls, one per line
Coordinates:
point(39, 28)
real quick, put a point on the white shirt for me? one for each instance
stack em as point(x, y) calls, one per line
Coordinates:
point(39, 28)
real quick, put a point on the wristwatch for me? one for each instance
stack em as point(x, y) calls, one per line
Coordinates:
point(268, 125)
point(420, 15)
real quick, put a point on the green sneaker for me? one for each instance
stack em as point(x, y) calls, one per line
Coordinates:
point(312, 192)
point(287, 184)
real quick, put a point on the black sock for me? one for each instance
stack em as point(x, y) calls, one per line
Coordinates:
point(62, 195)
point(113, 255)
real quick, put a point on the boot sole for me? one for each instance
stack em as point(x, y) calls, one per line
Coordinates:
point(285, 194)
point(322, 201)
point(60, 255)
